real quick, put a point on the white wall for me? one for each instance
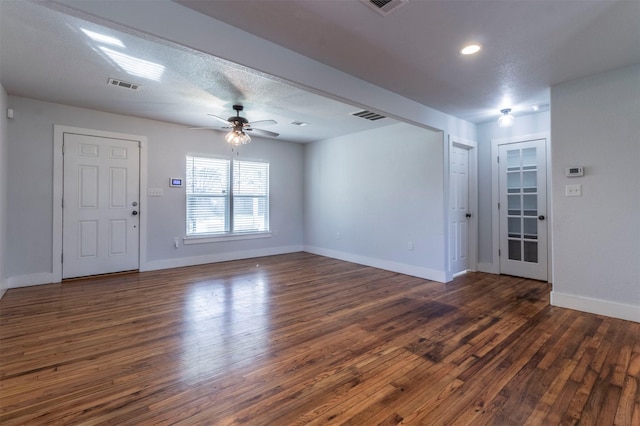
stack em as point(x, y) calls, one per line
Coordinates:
point(595, 123)
point(379, 190)
point(4, 142)
point(487, 132)
point(30, 190)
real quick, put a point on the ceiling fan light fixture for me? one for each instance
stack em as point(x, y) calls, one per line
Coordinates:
point(237, 137)
point(506, 119)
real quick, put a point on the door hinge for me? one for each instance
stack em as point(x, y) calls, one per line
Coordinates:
point(499, 252)
point(498, 158)
point(61, 257)
point(498, 206)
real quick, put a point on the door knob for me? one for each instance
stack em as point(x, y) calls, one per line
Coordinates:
point(134, 212)
point(541, 217)
point(468, 215)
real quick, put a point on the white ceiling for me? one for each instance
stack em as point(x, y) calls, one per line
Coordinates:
point(528, 45)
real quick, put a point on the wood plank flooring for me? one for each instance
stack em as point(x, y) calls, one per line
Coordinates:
point(302, 339)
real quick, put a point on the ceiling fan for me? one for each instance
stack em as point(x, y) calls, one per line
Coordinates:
point(240, 125)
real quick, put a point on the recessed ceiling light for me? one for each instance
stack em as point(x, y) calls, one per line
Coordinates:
point(299, 123)
point(470, 49)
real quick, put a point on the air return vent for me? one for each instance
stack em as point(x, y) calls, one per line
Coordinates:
point(384, 7)
point(368, 115)
point(125, 84)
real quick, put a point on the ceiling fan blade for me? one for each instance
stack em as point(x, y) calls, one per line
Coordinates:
point(210, 128)
point(263, 132)
point(223, 120)
point(264, 122)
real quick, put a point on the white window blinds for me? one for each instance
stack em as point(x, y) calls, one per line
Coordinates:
point(216, 207)
point(207, 195)
point(250, 196)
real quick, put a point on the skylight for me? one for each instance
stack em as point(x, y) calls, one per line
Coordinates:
point(102, 38)
point(135, 66)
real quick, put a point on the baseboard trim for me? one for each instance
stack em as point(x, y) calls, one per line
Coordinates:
point(403, 268)
point(596, 306)
point(31, 279)
point(215, 258)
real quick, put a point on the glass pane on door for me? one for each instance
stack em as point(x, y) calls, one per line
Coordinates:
point(522, 208)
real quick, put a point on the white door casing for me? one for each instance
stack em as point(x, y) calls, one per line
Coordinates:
point(459, 214)
point(522, 209)
point(101, 193)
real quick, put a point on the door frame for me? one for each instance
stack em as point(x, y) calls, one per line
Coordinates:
point(472, 147)
point(58, 175)
point(495, 196)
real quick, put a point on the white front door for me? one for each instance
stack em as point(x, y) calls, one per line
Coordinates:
point(459, 205)
point(101, 196)
point(523, 209)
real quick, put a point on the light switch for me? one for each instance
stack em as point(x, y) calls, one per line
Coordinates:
point(573, 191)
point(154, 192)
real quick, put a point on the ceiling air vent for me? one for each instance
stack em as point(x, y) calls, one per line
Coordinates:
point(368, 115)
point(125, 84)
point(384, 7)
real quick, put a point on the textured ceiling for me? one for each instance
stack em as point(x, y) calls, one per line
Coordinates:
point(44, 54)
point(528, 45)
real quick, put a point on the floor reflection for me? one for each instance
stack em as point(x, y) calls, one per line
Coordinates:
point(226, 325)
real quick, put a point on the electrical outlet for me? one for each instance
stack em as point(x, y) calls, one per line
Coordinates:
point(337, 235)
point(410, 246)
point(176, 242)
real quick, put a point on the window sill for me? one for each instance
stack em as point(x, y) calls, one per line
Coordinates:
point(204, 239)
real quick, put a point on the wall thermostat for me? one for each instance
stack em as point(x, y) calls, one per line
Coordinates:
point(175, 182)
point(575, 171)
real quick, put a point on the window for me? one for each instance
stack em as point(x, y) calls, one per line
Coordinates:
point(250, 196)
point(215, 206)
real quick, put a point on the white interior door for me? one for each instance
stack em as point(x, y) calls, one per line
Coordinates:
point(101, 196)
point(459, 205)
point(523, 209)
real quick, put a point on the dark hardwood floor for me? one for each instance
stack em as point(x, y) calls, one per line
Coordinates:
point(303, 339)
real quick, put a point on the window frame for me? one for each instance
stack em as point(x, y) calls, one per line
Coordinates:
point(229, 234)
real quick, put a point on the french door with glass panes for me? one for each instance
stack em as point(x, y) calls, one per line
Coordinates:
point(523, 209)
